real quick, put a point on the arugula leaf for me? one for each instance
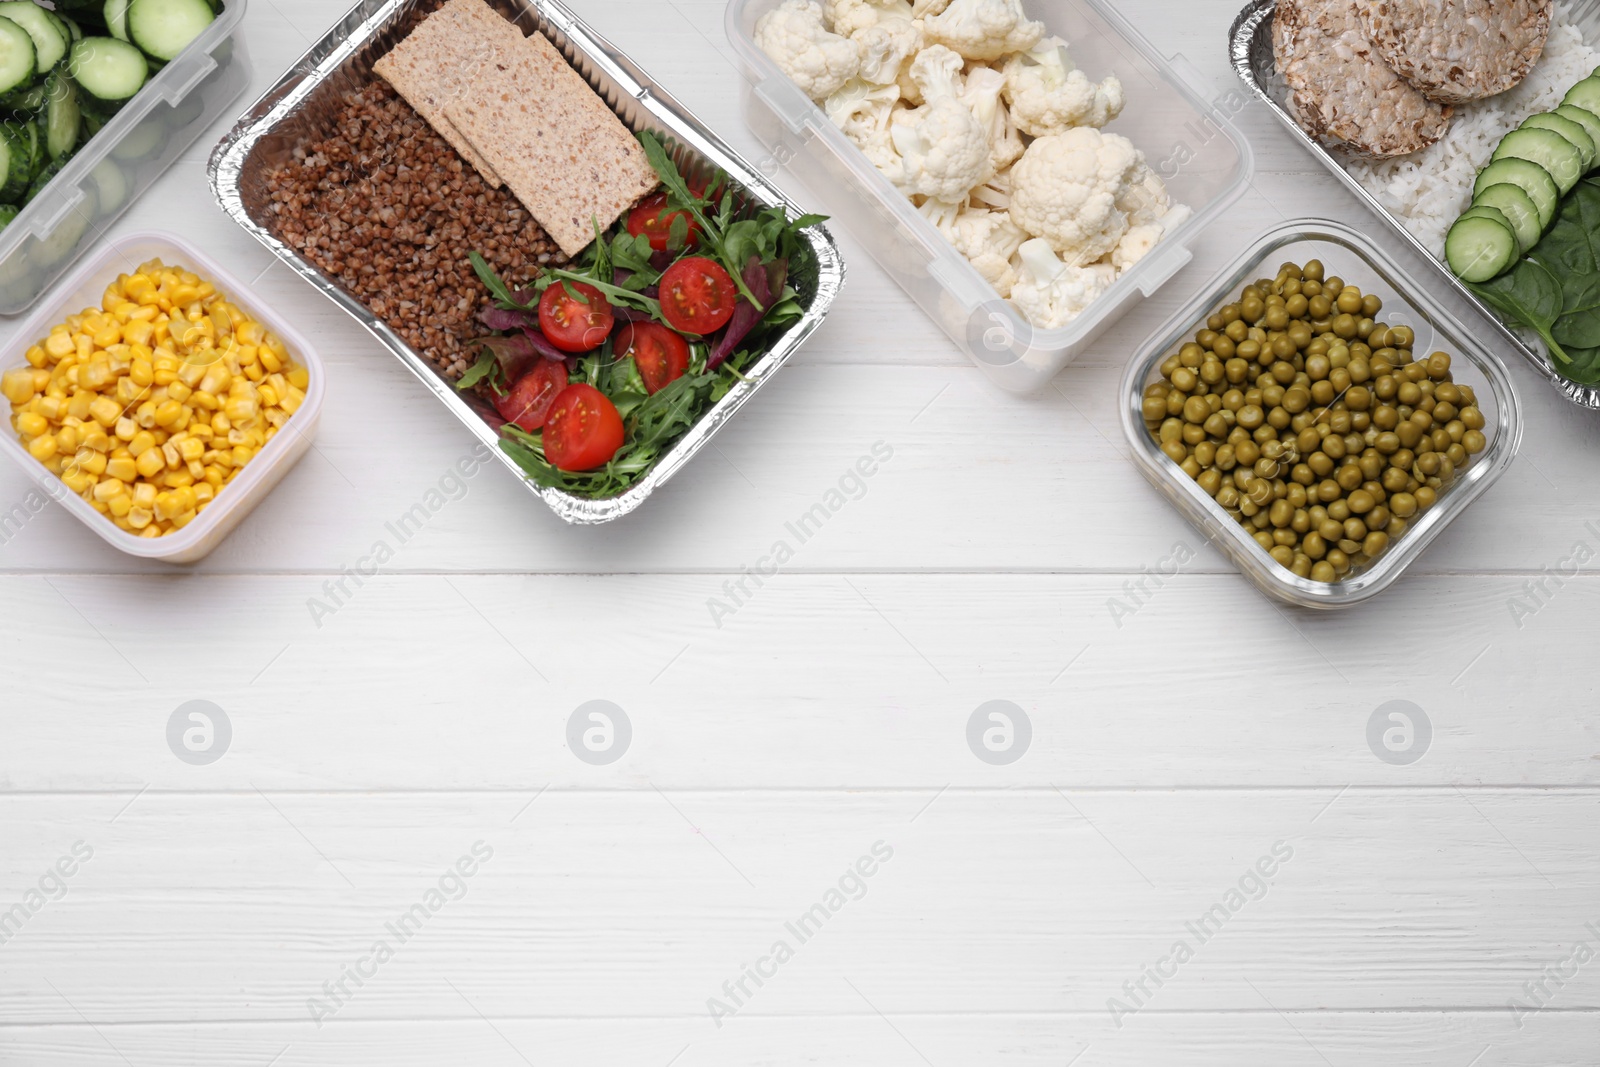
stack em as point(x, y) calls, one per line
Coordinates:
point(491, 280)
point(486, 365)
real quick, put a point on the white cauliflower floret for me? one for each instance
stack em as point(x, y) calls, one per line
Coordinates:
point(1048, 94)
point(1146, 199)
point(983, 29)
point(989, 239)
point(1065, 189)
point(994, 193)
point(887, 47)
point(1136, 244)
point(816, 60)
point(849, 17)
point(923, 8)
point(945, 148)
point(1050, 293)
point(982, 97)
point(863, 111)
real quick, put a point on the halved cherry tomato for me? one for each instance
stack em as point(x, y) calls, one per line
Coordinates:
point(661, 354)
point(583, 431)
point(652, 219)
point(569, 323)
point(697, 296)
point(528, 403)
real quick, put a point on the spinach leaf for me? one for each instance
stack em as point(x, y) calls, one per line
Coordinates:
point(1528, 295)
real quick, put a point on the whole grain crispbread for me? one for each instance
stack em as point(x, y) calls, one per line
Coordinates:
point(1342, 89)
point(1457, 51)
point(565, 154)
point(439, 59)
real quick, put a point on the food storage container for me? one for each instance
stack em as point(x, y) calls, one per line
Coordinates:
point(1250, 48)
point(117, 165)
point(297, 108)
point(1353, 257)
point(1188, 141)
point(85, 288)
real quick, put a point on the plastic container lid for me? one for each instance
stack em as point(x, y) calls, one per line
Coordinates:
point(238, 497)
point(1188, 142)
point(1351, 256)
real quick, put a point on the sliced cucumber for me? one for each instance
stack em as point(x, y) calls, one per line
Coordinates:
point(74, 31)
point(62, 116)
point(1518, 208)
point(16, 162)
point(1481, 245)
point(1572, 131)
point(116, 15)
point(49, 42)
point(110, 186)
point(44, 178)
point(18, 57)
point(113, 71)
point(1531, 178)
point(1557, 155)
point(1583, 117)
point(30, 135)
point(29, 99)
point(1585, 94)
point(164, 28)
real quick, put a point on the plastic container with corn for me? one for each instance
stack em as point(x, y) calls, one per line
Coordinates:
point(149, 405)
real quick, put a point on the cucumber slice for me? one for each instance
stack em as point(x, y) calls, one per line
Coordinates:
point(1531, 178)
point(30, 135)
point(1583, 117)
point(110, 187)
point(113, 71)
point(62, 116)
point(1518, 208)
point(16, 162)
point(1585, 94)
point(1557, 155)
point(1481, 245)
point(45, 177)
point(18, 57)
point(116, 15)
point(74, 31)
point(30, 99)
point(49, 43)
point(1572, 131)
point(164, 28)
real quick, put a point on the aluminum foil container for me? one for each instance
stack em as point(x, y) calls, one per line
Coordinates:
point(1250, 47)
point(300, 106)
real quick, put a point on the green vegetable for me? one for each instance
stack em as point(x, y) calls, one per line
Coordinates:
point(1555, 291)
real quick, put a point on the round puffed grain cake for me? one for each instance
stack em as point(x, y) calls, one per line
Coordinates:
point(1342, 90)
point(1457, 51)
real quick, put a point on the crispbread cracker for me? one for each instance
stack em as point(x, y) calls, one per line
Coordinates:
point(1457, 51)
point(1343, 90)
point(558, 146)
point(439, 59)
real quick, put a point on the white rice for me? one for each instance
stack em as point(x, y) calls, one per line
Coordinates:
point(1427, 190)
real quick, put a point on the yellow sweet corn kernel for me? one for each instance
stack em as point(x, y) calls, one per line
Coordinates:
point(141, 372)
point(139, 517)
point(91, 462)
point(59, 345)
point(202, 432)
point(269, 396)
point(78, 406)
point(191, 374)
point(100, 505)
point(215, 477)
point(270, 360)
point(107, 335)
point(291, 403)
point(180, 521)
point(129, 393)
point(37, 356)
point(203, 399)
point(255, 372)
point(191, 449)
point(216, 379)
point(196, 469)
point(121, 506)
point(123, 468)
point(146, 414)
point(166, 505)
point(84, 346)
point(242, 454)
point(18, 386)
point(140, 443)
point(108, 488)
point(79, 481)
point(241, 409)
point(150, 463)
point(94, 437)
point(178, 478)
point(299, 377)
point(170, 455)
point(204, 493)
point(144, 495)
point(127, 429)
point(32, 425)
point(169, 413)
point(51, 407)
point(105, 411)
point(67, 439)
point(220, 423)
point(42, 448)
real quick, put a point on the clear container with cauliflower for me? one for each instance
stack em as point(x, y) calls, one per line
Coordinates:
point(980, 119)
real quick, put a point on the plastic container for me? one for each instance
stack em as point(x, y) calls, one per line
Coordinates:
point(237, 498)
point(1189, 142)
point(118, 164)
point(1352, 256)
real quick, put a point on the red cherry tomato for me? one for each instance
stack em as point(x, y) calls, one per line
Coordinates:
point(528, 403)
point(662, 355)
point(583, 431)
point(697, 296)
point(569, 323)
point(652, 219)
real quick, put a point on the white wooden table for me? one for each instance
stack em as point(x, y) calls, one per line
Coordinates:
point(230, 912)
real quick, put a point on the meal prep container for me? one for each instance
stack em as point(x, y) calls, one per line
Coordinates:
point(118, 164)
point(1250, 46)
point(295, 109)
point(1353, 257)
point(1189, 143)
point(237, 498)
